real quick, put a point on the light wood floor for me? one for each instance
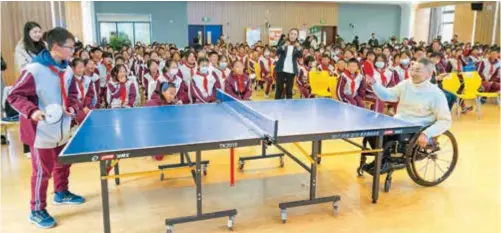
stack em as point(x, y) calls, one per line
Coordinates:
point(469, 201)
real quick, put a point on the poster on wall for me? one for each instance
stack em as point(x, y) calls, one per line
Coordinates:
point(274, 35)
point(252, 35)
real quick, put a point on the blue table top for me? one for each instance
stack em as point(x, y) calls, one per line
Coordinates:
point(152, 127)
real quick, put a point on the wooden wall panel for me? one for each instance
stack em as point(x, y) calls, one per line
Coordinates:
point(485, 22)
point(236, 16)
point(463, 21)
point(422, 24)
point(73, 18)
point(498, 27)
point(13, 17)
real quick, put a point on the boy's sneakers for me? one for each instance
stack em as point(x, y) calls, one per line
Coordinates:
point(42, 219)
point(66, 197)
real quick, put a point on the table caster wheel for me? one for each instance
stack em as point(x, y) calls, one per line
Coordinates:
point(231, 223)
point(283, 215)
point(387, 184)
point(170, 228)
point(204, 170)
point(282, 162)
point(360, 171)
point(241, 164)
point(162, 177)
point(335, 208)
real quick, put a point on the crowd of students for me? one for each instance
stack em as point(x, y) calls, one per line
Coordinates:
point(135, 75)
point(162, 74)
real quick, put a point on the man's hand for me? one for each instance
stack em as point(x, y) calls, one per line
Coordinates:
point(69, 112)
point(38, 115)
point(422, 140)
point(86, 110)
point(370, 80)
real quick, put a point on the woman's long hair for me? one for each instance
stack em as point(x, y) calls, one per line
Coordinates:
point(30, 45)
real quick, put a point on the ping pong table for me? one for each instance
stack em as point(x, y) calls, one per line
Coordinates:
point(112, 134)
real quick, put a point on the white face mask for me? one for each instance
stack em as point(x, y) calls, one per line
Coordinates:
point(404, 61)
point(380, 64)
point(223, 65)
point(204, 69)
point(267, 53)
point(173, 72)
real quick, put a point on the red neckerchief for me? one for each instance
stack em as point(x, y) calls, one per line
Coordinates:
point(383, 77)
point(459, 64)
point(269, 62)
point(155, 78)
point(60, 74)
point(352, 78)
point(81, 87)
point(406, 71)
point(368, 68)
point(205, 81)
point(123, 92)
point(241, 58)
point(222, 73)
point(240, 81)
point(96, 71)
point(191, 67)
point(491, 70)
point(108, 67)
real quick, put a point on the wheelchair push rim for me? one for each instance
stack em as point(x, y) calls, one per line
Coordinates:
point(433, 165)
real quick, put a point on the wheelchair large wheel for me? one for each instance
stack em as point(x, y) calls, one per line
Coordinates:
point(431, 166)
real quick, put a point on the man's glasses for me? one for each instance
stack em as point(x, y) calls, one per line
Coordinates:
point(72, 48)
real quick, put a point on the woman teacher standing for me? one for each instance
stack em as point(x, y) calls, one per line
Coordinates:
point(289, 51)
point(26, 49)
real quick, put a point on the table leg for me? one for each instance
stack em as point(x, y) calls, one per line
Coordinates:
point(105, 197)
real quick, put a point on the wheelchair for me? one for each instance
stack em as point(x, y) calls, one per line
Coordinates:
point(422, 164)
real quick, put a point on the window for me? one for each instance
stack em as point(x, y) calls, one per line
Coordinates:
point(142, 32)
point(447, 27)
point(134, 27)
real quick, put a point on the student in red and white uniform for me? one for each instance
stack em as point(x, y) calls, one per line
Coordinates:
point(383, 75)
point(351, 85)
point(152, 79)
point(224, 69)
point(242, 56)
point(85, 89)
point(121, 92)
point(90, 67)
point(367, 67)
point(204, 84)
point(489, 71)
point(143, 68)
point(213, 63)
point(238, 84)
point(252, 63)
point(189, 68)
point(340, 67)
point(266, 63)
point(389, 57)
point(302, 80)
point(173, 75)
point(456, 63)
point(474, 57)
point(156, 57)
point(402, 70)
point(325, 65)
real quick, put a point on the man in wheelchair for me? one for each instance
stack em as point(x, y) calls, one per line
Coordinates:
point(420, 102)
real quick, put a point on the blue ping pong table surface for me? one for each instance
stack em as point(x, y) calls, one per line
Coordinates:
point(120, 130)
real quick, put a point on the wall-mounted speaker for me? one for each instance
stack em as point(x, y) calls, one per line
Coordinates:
point(477, 6)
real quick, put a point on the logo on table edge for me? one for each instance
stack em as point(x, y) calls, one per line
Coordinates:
point(123, 155)
point(389, 132)
point(228, 145)
point(95, 158)
point(107, 157)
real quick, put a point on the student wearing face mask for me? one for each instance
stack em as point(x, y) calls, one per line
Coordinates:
point(265, 63)
point(173, 75)
point(238, 84)
point(224, 68)
point(383, 75)
point(402, 70)
point(337, 54)
point(204, 84)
